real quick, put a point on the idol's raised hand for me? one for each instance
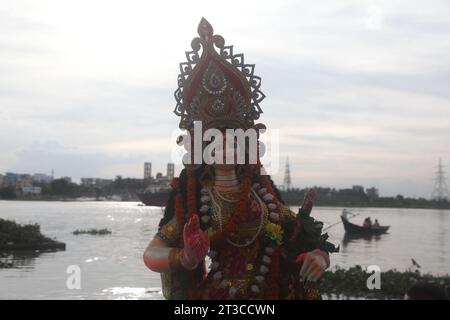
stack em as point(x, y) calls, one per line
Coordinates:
point(314, 264)
point(196, 244)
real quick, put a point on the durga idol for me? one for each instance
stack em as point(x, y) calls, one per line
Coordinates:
point(231, 214)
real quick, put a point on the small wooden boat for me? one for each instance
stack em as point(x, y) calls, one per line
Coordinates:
point(360, 230)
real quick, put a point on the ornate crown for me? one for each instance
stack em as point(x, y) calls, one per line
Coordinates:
point(217, 87)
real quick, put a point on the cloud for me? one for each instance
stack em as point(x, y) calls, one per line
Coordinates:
point(76, 162)
point(358, 89)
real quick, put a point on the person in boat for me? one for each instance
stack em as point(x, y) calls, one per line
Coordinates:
point(376, 224)
point(345, 214)
point(232, 213)
point(367, 223)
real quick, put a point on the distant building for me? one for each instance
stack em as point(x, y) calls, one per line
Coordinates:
point(10, 179)
point(147, 170)
point(159, 177)
point(23, 180)
point(95, 182)
point(160, 181)
point(31, 190)
point(42, 178)
point(19, 180)
point(1, 179)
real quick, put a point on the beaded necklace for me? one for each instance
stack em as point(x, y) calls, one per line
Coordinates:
point(218, 212)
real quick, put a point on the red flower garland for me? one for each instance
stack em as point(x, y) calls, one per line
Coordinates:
point(179, 209)
point(273, 283)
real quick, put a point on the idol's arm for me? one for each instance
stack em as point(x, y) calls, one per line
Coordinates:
point(306, 243)
point(306, 249)
point(159, 257)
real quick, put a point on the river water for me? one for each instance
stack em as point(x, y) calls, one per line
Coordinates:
point(111, 266)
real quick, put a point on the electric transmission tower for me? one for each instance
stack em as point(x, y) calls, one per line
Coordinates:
point(440, 190)
point(287, 176)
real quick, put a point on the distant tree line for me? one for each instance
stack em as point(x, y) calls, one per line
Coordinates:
point(358, 198)
point(127, 188)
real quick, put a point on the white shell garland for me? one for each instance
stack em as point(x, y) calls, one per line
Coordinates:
point(274, 216)
point(205, 199)
point(262, 191)
point(263, 269)
point(206, 219)
point(266, 260)
point(254, 289)
point(223, 284)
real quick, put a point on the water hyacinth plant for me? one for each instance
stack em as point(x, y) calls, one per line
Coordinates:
point(94, 232)
point(352, 283)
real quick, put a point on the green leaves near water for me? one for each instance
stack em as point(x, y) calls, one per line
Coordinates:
point(14, 233)
point(352, 282)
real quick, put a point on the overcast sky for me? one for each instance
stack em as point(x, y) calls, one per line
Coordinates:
point(358, 89)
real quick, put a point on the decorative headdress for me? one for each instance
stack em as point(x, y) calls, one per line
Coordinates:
point(217, 87)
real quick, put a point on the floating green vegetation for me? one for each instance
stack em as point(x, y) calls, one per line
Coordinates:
point(393, 283)
point(14, 233)
point(6, 265)
point(94, 232)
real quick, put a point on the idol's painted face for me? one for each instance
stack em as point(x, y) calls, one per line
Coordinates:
point(229, 154)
